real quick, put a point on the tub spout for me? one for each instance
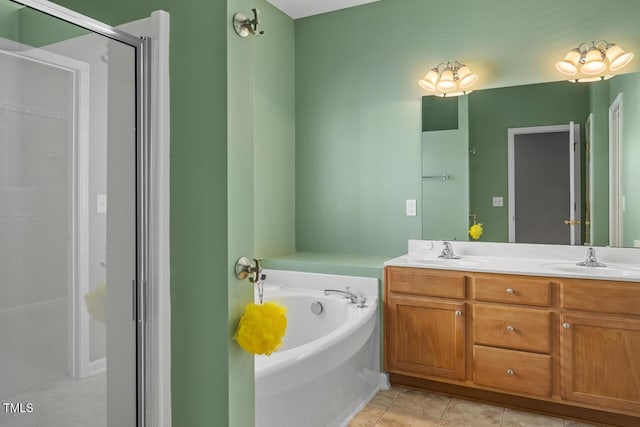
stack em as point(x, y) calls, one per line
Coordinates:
point(348, 295)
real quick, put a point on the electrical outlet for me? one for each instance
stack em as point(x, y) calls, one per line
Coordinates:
point(411, 207)
point(498, 202)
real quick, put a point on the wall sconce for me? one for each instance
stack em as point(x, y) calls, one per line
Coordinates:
point(449, 79)
point(596, 62)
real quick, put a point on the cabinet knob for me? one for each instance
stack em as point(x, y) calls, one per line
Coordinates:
point(510, 328)
point(509, 371)
point(510, 291)
point(566, 325)
point(458, 313)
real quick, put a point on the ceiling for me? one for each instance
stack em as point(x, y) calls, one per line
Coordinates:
point(301, 8)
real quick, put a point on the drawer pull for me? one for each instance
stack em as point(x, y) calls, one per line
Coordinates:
point(510, 291)
point(509, 371)
point(510, 328)
point(458, 313)
point(566, 325)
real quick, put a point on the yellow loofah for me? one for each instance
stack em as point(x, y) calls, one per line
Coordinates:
point(95, 301)
point(475, 231)
point(261, 328)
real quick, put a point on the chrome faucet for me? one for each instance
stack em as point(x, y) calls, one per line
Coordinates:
point(591, 260)
point(355, 299)
point(348, 295)
point(447, 252)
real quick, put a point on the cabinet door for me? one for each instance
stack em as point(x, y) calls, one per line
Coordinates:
point(601, 361)
point(425, 337)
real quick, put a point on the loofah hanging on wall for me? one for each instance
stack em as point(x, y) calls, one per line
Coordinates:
point(261, 328)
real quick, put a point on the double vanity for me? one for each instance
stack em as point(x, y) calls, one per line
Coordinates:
point(519, 325)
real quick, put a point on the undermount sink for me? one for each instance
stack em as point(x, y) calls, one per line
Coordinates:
point(454, 262)
point(611, 270)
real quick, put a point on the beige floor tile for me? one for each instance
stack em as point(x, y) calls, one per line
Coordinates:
point(422, 403)
point(384, 397)
point(368, 417)
point(467, 413)
point(394, 417)
point(513, 418)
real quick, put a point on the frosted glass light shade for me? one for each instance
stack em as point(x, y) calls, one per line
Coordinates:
point(593, 63)
point(428, 82)
point(446, 82)
point(617, 57)
point(426, 85)
point(569, 65)
point(467, 78)
point(452, 79)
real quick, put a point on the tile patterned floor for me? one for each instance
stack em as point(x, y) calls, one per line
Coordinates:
point(399, 407)
point(64, 403)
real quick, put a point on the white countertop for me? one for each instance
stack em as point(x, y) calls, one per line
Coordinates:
point(533, 260)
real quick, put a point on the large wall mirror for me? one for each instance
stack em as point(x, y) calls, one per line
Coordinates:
point(547, 163)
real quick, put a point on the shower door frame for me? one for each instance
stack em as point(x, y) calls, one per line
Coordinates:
point(141, 283)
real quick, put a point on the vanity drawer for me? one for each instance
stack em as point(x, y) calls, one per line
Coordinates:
point(512, 370)
point(420, 281)
point(600, 296)
point(512, 289)
point(516, 328)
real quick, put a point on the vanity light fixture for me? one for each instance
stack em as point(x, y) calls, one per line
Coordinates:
point(450, 79)
point(596, 62)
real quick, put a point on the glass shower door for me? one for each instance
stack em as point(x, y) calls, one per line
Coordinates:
point(67, 224)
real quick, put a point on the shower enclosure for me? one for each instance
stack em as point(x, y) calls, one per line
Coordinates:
point(73, 219)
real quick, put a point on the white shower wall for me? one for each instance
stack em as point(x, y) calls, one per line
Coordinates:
point(93, 50)
point(34, 207)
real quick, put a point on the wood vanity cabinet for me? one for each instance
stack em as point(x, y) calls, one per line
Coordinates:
point(424, 327)
point(569, 347)
point(600, 343)
point(512, 341)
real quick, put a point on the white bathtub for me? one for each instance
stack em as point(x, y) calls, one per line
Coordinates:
point(329, 364)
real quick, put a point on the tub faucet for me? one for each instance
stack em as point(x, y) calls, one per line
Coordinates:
point(447, 252)
point(591, 260)
point(346, 294)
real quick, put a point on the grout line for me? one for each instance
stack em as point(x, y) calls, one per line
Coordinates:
point(446, 408)
point(385, 409)
point(502, 417)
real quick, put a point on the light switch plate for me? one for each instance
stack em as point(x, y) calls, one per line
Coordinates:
point(498, 202)
point(411, 207)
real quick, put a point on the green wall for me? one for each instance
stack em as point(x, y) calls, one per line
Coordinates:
point(9, 27)
point(38, 29)
point(274, 134)
point(599, 107)
point(491, 114)
point(358, 103)
point(629, 86)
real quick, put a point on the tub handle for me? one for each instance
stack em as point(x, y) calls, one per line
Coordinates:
point(362, 302)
